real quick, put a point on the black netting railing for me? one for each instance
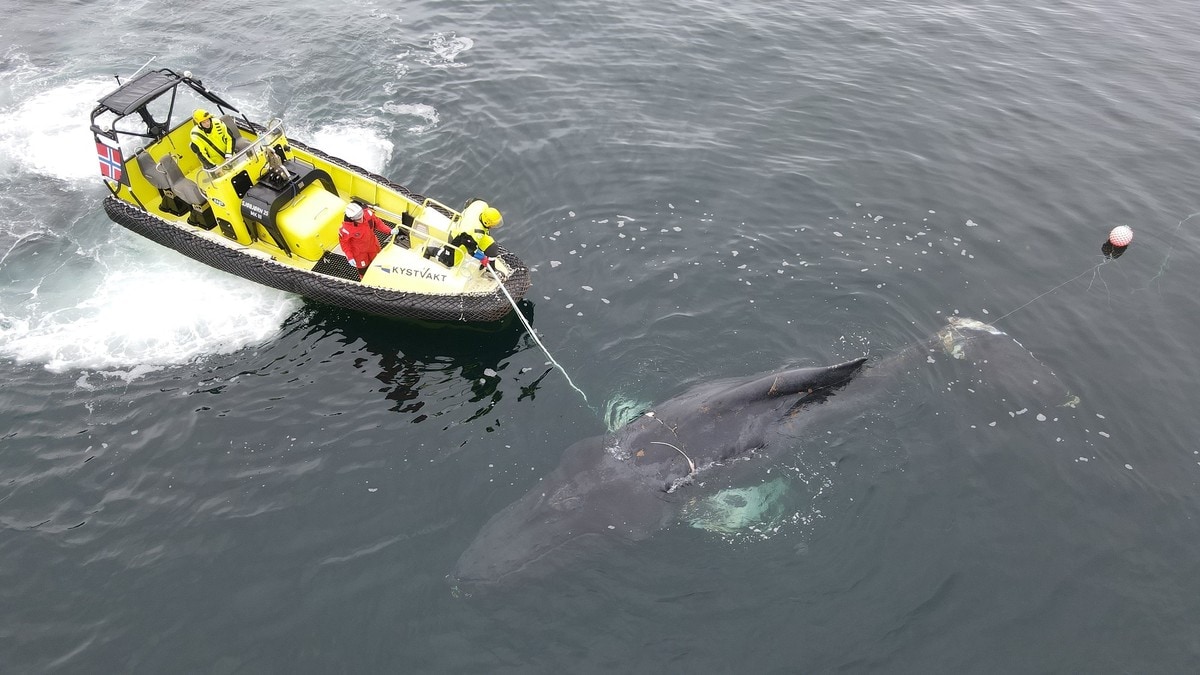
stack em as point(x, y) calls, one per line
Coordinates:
point(327, 288)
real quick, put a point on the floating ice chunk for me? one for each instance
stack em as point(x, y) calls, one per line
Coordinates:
point(555, 263)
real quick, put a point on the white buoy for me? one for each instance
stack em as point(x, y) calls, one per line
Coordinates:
point(1121, 235)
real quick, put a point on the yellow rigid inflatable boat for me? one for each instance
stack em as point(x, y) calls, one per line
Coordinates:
point(271, 212)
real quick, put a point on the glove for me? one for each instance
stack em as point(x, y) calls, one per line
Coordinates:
point(484, 260)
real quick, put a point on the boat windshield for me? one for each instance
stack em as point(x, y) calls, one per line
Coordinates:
point(251, 153)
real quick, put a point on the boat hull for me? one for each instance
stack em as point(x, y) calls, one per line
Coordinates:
point(322, 288)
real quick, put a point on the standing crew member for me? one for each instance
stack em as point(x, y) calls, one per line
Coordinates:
point(211, 139)
point(475, 239)
point(357, 236)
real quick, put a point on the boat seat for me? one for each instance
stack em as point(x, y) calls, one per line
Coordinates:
point(239, 142)
point(150, 170)
point(183, 187)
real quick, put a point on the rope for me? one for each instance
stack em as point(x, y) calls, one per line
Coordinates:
point(532, 334)
point(1162, 269)
point(1094, 268)
point(691, 464)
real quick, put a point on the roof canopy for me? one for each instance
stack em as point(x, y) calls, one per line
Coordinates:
point(136, 92)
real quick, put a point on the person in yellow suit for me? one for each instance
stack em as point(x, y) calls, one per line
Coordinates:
point(474, 238)
point(211, 140)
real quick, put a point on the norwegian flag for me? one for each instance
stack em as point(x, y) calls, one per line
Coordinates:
point(112, 165)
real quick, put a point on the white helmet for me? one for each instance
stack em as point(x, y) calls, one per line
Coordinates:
point(354, 212)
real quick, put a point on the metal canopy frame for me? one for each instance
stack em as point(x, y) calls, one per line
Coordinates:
point(135, 95)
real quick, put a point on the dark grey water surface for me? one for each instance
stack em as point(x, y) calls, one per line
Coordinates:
point(201, 475)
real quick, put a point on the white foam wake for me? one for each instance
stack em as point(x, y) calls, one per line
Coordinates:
point(47, 132)
point(427, 113)
point(361, 144)
point(160, 310)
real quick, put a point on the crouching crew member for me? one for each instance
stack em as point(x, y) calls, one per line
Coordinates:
point(475, 238)
point(357, 236)
point(211, 140)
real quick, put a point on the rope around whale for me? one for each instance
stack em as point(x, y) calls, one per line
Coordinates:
point(532, 334)
point(691, 465)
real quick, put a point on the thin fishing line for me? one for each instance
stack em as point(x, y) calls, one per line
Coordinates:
point(1096, 275)
point(1162, 269)
point(1094, 268)
point(533, 334)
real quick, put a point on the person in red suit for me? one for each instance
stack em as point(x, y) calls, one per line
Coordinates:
point(357, 236)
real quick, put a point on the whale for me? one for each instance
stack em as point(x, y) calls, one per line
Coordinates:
point(626, 485)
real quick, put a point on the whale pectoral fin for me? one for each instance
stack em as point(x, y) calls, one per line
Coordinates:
point(808, 398)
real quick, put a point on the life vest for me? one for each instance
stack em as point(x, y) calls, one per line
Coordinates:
point(358, 240)
point(214, 144)
point(469, 237)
